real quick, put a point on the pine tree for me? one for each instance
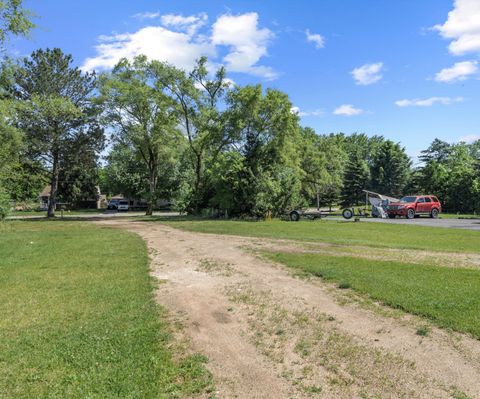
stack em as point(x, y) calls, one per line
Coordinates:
point(390, 169)
point(56, 112)
point(356, 179)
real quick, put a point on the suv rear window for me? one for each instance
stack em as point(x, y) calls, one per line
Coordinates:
point(435, 199)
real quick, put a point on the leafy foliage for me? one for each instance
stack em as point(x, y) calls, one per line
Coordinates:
point(191, 138)
point(4, 204)
point(322, 162)
point(263, 165)
point(198, 97)
point(14, 19)
point(145, 120)
point(56, 113)
point(452, 171)
point(390, 169)
point(356, 179)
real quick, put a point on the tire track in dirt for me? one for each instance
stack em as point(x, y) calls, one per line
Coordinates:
point(226, 298)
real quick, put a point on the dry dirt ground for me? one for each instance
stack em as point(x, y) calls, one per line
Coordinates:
point(270, 334)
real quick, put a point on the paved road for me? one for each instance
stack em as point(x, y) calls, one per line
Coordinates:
point(470, 224)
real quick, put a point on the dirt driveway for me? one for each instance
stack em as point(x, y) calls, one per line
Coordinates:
point(269, 334)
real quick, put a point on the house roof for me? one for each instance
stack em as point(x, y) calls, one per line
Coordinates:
point(46, 191)
point(48, 188)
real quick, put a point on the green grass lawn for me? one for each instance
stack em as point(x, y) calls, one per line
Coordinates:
point(450, 297)
point(339, 232)
point(458, 216)
point(78, 317)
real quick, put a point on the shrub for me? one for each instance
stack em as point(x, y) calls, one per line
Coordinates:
point(5, 205)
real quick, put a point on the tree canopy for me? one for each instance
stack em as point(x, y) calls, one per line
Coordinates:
point(192, 139)
point(56, 113)
point(14, 19)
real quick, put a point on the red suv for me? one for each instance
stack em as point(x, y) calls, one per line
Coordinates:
point(415, 205)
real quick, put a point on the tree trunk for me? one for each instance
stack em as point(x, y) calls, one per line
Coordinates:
point(152, 182)
point(149, 211)
point(53, 187)
point(198, 184)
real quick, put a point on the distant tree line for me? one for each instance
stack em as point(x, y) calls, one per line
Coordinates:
point(194, 139)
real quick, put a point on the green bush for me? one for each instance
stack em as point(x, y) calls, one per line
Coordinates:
point(5, 205)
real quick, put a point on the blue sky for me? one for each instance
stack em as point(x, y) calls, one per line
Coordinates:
point(408, 70)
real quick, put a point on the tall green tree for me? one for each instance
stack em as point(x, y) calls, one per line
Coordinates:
point(199, 97)
point(452, 172)
point(390, 169)
point(144, 117)
point(79, 174)
point(266, 134)
point(438, 151)
point(14, 21)
point(322, 162)
point(359, 143)
point(56, 111)
point(356, 179)
point(11, 143)
point(124, 173)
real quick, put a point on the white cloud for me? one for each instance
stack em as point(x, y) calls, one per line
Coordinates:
point(348, 110)
point(179, 42)
point(190, 24)
point(297, 111)
point(428, 102)
point(367, 74)
point(315, 38)
point(153, 41)
point(459, 71)
point(470, 138)
point(317, 112)
point(146, 15)
point(462, 27)
point(246, 42)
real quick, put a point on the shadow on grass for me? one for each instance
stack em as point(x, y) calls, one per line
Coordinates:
point(99, 217)
point(170, 218)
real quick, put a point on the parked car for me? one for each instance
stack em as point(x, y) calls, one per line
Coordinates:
point(113, 205)
point(122, 205)
point(415, 205)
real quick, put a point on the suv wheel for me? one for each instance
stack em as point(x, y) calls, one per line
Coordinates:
point(410, 214)
point(434, 213)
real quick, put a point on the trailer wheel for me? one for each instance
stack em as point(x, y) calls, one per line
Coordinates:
point(347, 213)
point(294, 216)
